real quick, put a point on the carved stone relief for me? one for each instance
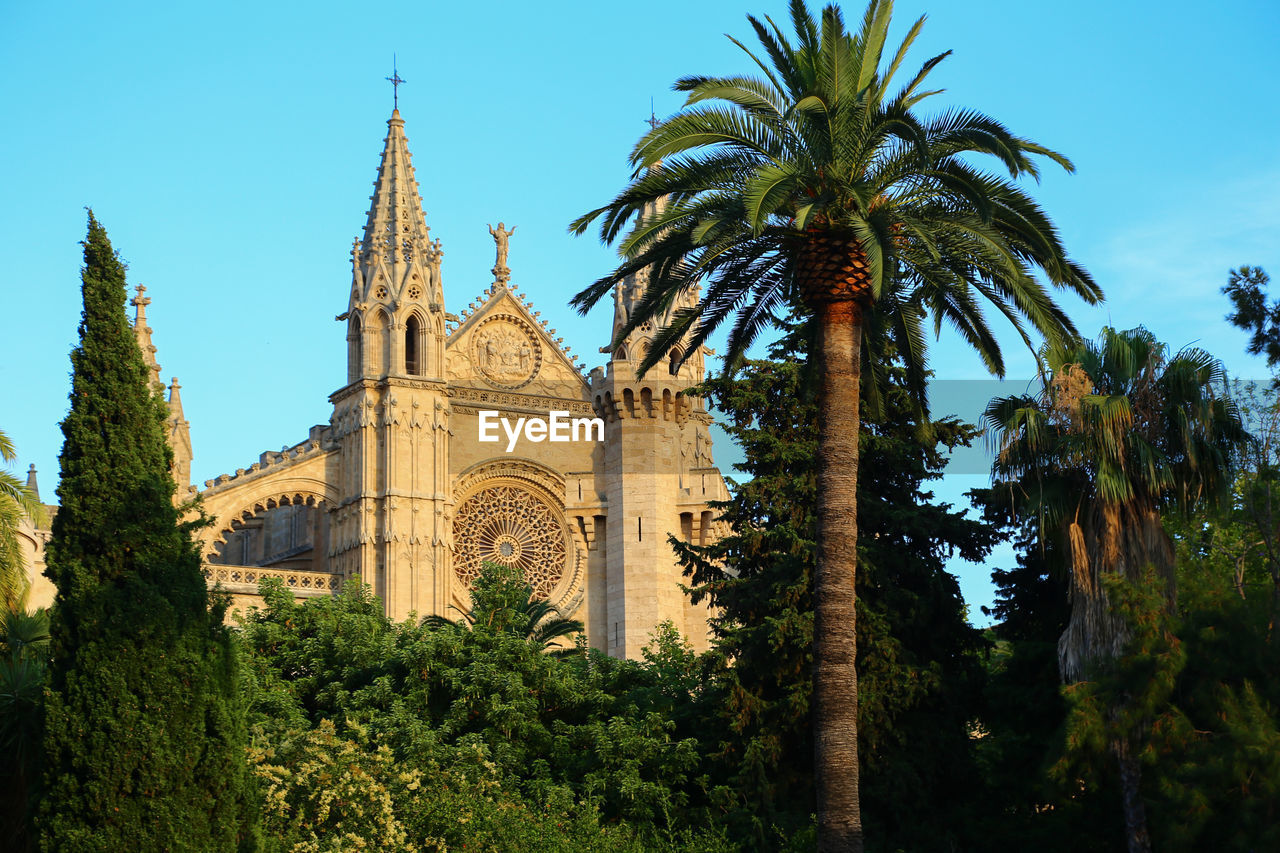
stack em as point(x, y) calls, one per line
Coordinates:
point(505, 352)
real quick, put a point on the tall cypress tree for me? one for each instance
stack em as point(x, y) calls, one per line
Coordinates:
point(144, 734)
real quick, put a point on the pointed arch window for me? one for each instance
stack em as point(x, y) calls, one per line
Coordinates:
point(413, 346)
point(377, 352)
point(355, 361)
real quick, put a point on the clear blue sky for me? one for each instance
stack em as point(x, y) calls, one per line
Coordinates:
point(229, 148)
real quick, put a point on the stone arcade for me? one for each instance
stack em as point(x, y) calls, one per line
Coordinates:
point(398, 489)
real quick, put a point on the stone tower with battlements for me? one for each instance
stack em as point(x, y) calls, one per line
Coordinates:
point(658, 469)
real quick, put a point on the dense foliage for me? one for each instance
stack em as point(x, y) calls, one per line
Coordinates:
point(470, 735)
point(24, 656)
point(1198, 691)
point(144, 735)
point(1188, 696)
point(1024, 711)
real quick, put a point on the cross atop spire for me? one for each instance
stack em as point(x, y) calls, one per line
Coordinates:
point(653, 121)
point(395, 80)
point(141, 301)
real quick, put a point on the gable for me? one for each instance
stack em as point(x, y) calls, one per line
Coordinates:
point(502, 345)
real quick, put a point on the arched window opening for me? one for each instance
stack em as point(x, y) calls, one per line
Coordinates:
point(289, 536)
point(384, 335)
point(413, 346)
point(675, 361)
point(379, 348)
point(355, 364)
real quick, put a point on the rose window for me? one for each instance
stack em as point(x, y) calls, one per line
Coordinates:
point(510, 525)
point(415, 292)
point(380, 292)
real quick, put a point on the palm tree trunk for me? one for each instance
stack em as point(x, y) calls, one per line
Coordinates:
point(835, 678)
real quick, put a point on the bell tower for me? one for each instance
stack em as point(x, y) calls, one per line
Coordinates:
point(656, 441)
point(391, 420)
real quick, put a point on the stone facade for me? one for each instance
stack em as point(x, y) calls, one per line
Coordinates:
point(400, 490)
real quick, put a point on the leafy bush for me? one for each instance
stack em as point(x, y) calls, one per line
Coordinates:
point(375, 735)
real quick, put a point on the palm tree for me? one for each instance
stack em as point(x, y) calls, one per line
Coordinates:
point(818, 184)
point(502, 600)
point(24, 658)
point(16, 503)
point(1119, 434)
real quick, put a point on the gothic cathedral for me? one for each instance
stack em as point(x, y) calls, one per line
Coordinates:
point(424, 472)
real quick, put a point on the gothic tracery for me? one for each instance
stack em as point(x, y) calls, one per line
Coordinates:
point(511, 525)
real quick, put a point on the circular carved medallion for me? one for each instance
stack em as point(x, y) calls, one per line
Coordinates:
point(511, 525)
point(506, 352)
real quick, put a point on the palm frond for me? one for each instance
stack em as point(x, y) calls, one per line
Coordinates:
point(874, 32)
point(900, 56)
point(753, 164)
point(909, 96)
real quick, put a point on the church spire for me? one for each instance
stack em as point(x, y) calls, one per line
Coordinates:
point(143, 333)
point(180, 440)
point(397, 242)
point(178, 432)
point(628, 293)
point(395, 315)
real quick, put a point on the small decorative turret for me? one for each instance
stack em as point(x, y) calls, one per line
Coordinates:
point(180, 440)
point(32, 486)
point(143, 333)
point(178, 431)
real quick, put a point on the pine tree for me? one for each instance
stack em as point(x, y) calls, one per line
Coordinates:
point(144, 733)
